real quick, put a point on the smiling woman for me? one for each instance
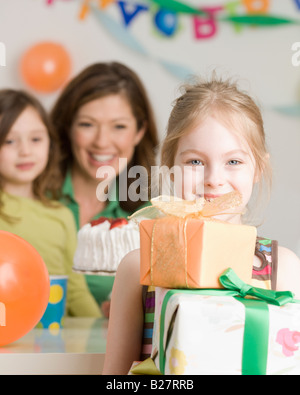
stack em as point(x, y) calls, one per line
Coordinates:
point(103, 118)
point(103, 131)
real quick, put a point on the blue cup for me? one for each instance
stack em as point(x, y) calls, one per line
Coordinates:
point(56, 308)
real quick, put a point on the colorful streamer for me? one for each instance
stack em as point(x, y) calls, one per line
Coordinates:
point(178, 7)
point(259, 20)
point(166, 14)
point(254, 15)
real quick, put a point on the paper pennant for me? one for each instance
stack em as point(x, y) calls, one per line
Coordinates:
point(129, 10)
point(166, 22)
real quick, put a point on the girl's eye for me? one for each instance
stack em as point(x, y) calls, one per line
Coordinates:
point(234, 162)
point(196, 162)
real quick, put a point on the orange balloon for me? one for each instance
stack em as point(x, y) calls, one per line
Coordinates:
point(24, 287)
point(46, 66)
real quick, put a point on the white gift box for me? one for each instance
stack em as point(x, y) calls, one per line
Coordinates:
point(204, 334)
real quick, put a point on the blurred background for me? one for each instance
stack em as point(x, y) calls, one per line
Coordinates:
point(255, 41)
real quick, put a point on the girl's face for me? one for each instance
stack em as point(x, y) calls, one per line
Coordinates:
point(24, 153)
point(220, 160)
point(104, 130)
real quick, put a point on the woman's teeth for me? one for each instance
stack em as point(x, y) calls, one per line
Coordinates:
point(102, 158)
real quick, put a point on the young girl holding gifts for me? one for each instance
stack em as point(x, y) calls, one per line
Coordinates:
point(215, 125)
point(29, 183)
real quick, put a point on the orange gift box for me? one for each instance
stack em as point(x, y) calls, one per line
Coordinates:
point(192, 253)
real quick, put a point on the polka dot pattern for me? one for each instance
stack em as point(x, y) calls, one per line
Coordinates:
point(54, 314)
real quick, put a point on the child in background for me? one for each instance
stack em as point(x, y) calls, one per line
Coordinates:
point(217, 126)
point(29, 185)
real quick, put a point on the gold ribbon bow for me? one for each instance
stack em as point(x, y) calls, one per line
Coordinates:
point(198, 208)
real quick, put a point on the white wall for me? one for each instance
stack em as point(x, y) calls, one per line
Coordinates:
point(260, 57)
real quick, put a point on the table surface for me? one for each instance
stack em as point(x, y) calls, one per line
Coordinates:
point(77, 348)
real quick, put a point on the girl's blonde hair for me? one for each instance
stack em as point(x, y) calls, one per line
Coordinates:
point(235, 109)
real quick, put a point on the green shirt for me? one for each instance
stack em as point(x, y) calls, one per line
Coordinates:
point(52, 232)
point(100, 286)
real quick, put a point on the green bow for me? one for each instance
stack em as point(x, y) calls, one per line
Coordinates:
point(231, 281)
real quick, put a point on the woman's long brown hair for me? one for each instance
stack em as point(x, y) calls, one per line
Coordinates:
point(100, 80)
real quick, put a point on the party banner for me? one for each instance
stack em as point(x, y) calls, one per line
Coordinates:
point(167, 16)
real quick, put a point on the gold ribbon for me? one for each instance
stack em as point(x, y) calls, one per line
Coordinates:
point(198, 208)
point(175, 242)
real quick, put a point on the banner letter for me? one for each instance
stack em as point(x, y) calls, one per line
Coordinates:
point(130, 11)
point(205, 27)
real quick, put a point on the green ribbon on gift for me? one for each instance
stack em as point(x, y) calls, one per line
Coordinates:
point(231, 281)
point(256, 330)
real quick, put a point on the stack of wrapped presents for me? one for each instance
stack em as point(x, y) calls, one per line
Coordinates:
point(208, 317)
